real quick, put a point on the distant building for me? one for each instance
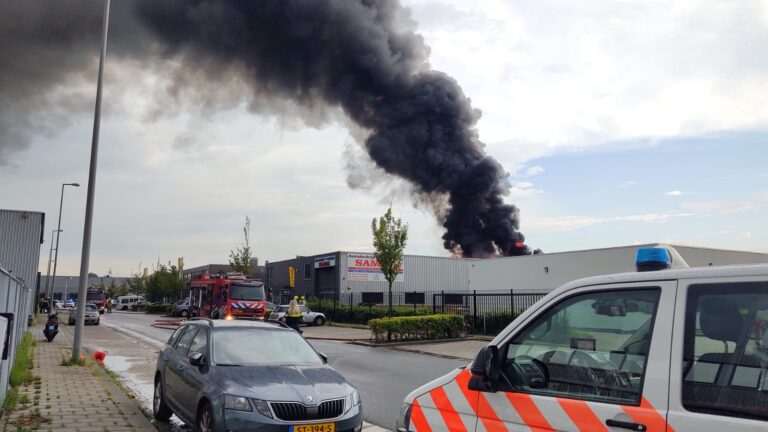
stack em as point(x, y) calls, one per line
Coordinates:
point(348, 275)
point(66, 287)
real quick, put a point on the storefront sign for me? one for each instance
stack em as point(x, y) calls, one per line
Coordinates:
point(326, 261)
point(365, 268)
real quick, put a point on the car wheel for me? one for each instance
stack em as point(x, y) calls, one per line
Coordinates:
point(319, 321)
point(160, 410)
point(184, 313)
point(98, 321)
point(205, 418)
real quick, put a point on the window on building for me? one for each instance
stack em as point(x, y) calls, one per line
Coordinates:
point(307, 271)
point(594, 346)
point(725, 354)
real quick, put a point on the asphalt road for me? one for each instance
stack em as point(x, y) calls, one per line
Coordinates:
point(383, 376)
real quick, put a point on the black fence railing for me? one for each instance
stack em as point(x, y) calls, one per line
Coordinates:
point(484, 313)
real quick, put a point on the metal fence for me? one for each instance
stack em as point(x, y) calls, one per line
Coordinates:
point(484, 313)
point(15, 307)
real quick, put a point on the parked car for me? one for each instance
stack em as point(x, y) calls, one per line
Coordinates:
point(69, 304)
point(58, 304)
point(91, 315)
point(181, 309)
point(209, 378)
point(269, 307)
point(308, 317)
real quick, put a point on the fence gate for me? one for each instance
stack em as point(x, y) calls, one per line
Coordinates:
point(485, 313)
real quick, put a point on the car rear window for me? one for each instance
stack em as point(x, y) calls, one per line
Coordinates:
point(90, 307)
point(264, 347)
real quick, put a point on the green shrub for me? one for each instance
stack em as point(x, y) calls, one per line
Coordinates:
point(161, 308)
point(362, 314)
point(425, 327)
point(21, 372)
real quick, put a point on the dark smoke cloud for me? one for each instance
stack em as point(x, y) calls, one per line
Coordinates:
point(363, 57)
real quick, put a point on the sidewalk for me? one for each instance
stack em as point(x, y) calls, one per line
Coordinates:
point(72, 398)
point(328, 332)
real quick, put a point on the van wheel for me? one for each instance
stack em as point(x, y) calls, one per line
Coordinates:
point(205, 418)
point(319, 321)
point(184, 313)
point(160, 410)
point(124, 308)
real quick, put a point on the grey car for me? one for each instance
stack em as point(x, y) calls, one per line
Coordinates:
point(251, 376)
point(307, 315)
point(91, 315)
point(181, 309)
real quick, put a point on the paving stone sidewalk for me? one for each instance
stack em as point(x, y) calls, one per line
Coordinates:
point(72, 398)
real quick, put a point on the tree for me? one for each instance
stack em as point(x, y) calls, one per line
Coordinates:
point(164, 284)
point(389, 237)
point(240, 258)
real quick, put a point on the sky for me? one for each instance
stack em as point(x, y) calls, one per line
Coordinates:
point(619, 122)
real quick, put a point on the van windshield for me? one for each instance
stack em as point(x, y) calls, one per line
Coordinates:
point(246, 292)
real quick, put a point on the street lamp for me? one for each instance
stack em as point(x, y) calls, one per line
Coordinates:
point(58, 234)
point(66, 287)
point(50, 259)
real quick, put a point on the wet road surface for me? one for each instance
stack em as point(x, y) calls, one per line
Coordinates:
point(383, 376)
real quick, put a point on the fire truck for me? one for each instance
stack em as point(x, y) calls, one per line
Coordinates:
point(227, 296)
point(98, 297)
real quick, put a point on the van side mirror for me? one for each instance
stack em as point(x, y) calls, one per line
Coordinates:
point(196, 359)
point(485, 370)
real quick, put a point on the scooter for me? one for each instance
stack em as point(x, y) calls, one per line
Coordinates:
point(51, 327)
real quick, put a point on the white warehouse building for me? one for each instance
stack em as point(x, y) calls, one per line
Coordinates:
point(341, 274)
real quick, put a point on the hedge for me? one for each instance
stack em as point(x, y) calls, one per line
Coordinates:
point(161, 308)
point(425, 327)
point(362, 314)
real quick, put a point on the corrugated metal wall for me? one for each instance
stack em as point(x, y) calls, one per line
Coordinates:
point(21, 233)
point(421, 273)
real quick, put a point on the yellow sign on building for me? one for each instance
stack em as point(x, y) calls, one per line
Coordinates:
point(291, 276)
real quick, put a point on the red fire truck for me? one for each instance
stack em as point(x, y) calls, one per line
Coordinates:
point(98, 297)
point(229, 296)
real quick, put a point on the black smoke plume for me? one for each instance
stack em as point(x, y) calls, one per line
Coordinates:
point(361, 56)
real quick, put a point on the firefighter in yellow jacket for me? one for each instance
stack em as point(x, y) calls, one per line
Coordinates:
point(294, 315)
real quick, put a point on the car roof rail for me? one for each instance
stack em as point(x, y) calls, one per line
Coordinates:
point(210, 321)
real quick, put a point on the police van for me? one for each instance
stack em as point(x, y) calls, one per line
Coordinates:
point(670, 349)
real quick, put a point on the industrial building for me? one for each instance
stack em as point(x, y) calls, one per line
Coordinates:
point(66, 287)
point(21, 234)
point(337, 274)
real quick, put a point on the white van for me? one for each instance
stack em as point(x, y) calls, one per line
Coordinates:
point(126, 302)
point(661, 350)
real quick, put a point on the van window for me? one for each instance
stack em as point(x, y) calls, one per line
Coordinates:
point(593, 346)
point(725, 357)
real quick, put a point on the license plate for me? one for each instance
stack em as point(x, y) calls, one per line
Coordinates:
point(50, 328)
point(319, 427)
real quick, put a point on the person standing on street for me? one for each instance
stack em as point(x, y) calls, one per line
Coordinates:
point(303, 301)
point(293, 317)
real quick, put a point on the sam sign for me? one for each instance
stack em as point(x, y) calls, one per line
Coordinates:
point(326, 261)
point(364, 268)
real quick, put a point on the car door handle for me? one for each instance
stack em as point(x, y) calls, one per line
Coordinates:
point(626, 425)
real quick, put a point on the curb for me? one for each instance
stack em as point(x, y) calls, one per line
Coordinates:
point(145, 339)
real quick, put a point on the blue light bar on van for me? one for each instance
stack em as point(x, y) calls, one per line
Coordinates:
point(650, 259)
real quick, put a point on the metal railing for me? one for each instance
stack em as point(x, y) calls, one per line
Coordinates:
point(483, 312)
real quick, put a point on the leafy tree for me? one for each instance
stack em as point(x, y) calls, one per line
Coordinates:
point(240, 258)
point(164, 283)
point(389, 237)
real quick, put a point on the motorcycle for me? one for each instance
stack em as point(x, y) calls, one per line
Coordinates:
point(51, 327)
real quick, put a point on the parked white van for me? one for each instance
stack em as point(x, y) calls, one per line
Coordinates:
point(126, 302)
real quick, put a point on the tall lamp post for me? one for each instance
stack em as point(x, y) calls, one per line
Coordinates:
point(58, 234)
point(50, 259)
point(77, 345)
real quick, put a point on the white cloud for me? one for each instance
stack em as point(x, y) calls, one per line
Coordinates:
point(523, 189)
point(643, 70)
point(569, 223)
point(747, 235)
point(534, 170)
point(674, 193)
point(718, 208)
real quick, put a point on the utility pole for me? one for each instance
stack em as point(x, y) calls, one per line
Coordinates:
point(86, 254)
